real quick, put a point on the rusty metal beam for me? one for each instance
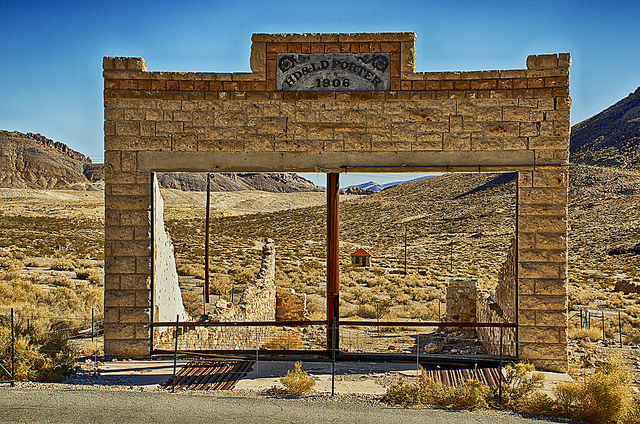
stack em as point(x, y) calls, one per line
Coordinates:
point(206, 243)
point(333, 259)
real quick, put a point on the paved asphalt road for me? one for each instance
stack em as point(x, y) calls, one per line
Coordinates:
point(93, 406)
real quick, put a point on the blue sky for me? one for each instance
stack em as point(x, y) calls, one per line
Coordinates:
point(51, 52)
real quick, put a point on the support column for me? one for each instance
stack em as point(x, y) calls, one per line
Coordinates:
point(206, 244)
point(333, 258)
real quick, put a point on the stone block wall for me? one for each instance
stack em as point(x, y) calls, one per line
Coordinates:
point(491, 120)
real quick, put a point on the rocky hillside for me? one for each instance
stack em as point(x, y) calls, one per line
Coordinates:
point(610, 138)
point(34, 161)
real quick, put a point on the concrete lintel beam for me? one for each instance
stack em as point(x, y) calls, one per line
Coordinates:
point(468, 161)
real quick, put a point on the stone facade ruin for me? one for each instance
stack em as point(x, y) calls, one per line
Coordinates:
point(491, 120)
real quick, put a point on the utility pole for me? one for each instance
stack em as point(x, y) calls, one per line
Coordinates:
point(405, 249)
point(451, 256)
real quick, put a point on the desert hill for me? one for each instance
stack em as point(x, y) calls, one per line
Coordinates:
point(610, 138)
point(34, 161)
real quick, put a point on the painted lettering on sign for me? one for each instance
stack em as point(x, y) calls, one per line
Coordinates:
point(333, 72)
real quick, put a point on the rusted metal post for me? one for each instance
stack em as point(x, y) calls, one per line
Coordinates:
point(620, 326)
point(206, 243)
point(175, 356)
point(516, 270)
point(500, 369)
point(333, 259)
point(13, 352)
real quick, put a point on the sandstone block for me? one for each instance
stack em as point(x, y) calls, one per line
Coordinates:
point(119, 331)
point(119, 298)
point(543, 195)
point(118, 233)
point(142, 331)
point(134, 315)
point(543, 224)
point(540, 334)
point(131, 248)
point(143, 299)
point(112, 281)
point(557, 210)
point(543, 303)
point(126, 348)
point(457, 142)
point(553, 287)
point(135, 282)
point(111, 315)
point(120, 264)
point(549, 143)
point(552, 318)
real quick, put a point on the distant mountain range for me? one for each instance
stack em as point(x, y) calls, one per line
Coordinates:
point(373, 187)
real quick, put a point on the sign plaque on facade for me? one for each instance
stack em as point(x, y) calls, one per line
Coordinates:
point(333, 72)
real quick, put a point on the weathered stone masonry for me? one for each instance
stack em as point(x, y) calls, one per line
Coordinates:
point(510, 120)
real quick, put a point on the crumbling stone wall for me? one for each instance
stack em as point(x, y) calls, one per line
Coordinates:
point(468, 303)
point(257, 303)
point(495, 120)
point(291, 306)
point(461, 300)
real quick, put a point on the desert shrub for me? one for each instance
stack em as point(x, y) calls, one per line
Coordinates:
point(520, 386)
point(472, 394)
point(60, 281)
point(93, 275)
point(34, 361)
point(191, 270)
point(403, 299)
point(367, 311)
point(427, 312)
point(12, 265)
point(297, 381)
point(219, 283)
point(285, 340)
point(605, 397)
point(93, 348)
point(192, 302)
point(591, 334)
point(317, 306)
point(633, 310)
point(246, 276)
point(615, 300)
point(63, 264)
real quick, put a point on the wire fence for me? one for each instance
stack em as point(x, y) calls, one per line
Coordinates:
point(48, 335)
point(608, 325)
point(358, 337)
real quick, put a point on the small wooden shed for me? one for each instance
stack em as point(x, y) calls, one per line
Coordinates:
point(361, 258)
